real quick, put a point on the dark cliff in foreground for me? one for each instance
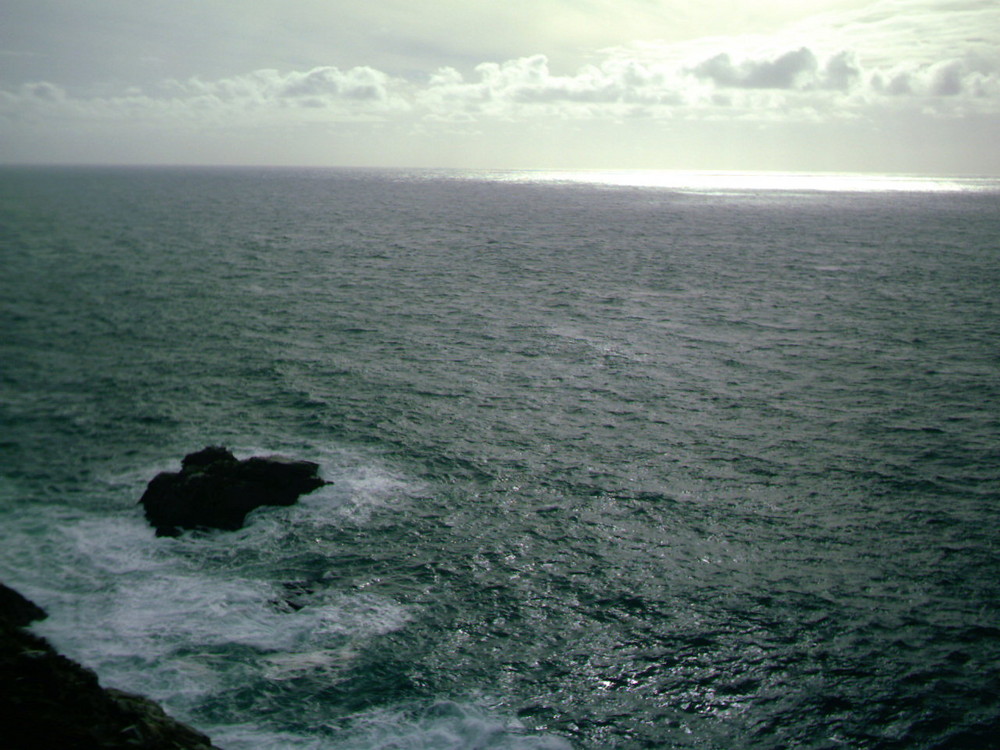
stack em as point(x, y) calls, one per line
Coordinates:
point(49, 701)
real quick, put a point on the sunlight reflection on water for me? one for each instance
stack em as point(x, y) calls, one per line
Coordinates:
point(790, 181)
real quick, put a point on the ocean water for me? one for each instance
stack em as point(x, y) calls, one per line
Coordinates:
point(618, 460)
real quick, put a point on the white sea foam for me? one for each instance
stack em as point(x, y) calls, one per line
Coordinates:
point(289, 666)
point(360, 483)
point(443, 725)
point(360, 491)
point(180, 618)
point(146, 602)
point(150, 616)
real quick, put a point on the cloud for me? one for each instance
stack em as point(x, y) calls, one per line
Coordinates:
point(842, 71)
point(43, 92)
point(527, 87)
point(321, 87)
point(325, 93)
point(950, 82)
point(794, 70)
point(30, 95)
point(788, 71)
point(789, 84)
point(358, 84)
point(793, 84)
point(889, 32)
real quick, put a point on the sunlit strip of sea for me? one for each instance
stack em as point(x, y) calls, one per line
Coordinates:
point(619, 460)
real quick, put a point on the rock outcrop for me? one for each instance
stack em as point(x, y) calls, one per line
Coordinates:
point(49, 701)
point(215, 490)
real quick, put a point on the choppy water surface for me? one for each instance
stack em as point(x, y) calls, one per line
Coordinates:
point(699, 465)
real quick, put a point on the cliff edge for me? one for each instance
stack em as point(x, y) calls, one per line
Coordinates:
point(49, 701)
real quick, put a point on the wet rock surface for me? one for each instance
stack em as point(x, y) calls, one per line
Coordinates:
point(49, 701)
point(215, 490)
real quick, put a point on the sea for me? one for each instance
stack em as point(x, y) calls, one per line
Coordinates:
point(617, 459)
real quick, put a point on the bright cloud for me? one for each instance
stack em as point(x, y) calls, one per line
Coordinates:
point(321, 93)
point(889, 65)
point(773, 86)
point(349, 92)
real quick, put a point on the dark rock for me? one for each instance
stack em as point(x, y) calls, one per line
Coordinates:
point(215, 490)
point(17, 609)
point(49, 701)
point(208, 455)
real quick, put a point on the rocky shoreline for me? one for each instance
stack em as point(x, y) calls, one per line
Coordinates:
point(47, 700)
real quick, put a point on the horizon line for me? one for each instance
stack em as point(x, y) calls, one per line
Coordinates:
point(721, 171)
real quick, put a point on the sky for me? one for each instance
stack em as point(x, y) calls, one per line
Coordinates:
point(902, 86)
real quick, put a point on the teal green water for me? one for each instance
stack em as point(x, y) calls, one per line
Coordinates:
point(614, 466)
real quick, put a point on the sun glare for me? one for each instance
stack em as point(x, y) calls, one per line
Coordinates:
point(757, 181)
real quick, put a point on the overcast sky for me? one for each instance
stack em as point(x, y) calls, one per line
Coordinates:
point(815, 85)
